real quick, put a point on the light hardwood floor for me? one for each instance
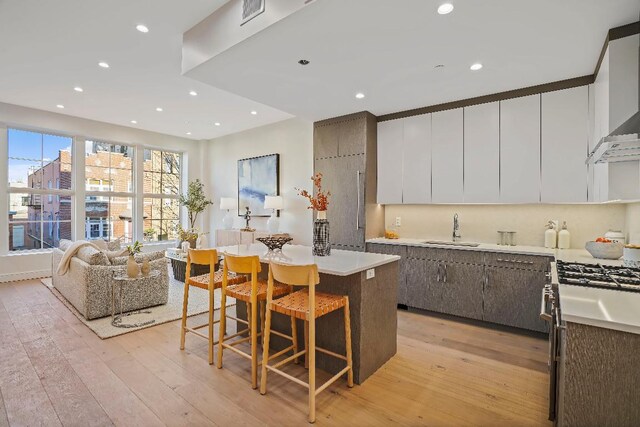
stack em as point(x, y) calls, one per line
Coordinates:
point(55, 371)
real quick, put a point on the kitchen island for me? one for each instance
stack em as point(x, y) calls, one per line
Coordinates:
point(373, 303)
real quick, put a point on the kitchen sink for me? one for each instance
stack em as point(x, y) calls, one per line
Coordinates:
point(445, 243)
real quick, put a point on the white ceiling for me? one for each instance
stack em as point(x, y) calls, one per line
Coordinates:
point(48, 47)
point(388, 50)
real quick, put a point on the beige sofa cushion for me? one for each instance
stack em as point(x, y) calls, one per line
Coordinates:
point(92, 256)
point(151, 256)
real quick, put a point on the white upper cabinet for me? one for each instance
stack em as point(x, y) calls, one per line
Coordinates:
point(416, 169)
point(520, 150)
point(565, 141)
point(482, 153)
point(390, 143)
point(447, 164)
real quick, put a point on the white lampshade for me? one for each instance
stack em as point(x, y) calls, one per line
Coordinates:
point(227, 203)
point(273, 202)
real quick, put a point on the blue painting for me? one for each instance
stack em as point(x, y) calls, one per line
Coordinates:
point(257, 177)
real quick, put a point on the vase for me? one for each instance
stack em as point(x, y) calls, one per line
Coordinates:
point(146, 267)
point(132, 267)
point(321, 242)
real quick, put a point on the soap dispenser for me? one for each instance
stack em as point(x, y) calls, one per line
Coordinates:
point(564, 237)
point(550, 236)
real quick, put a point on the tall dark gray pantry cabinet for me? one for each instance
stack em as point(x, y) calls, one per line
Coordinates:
point(345, 152)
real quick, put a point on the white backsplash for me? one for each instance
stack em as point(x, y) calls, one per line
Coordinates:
point(480, 223)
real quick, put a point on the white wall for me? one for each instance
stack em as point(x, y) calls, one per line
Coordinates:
point(293, 140)
point(480, 223)
point(30, 265)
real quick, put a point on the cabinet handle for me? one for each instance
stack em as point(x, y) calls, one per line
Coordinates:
point(445, 273)
point(486, 279)
point(515, 261)
point(358, 199)
point(438, 274)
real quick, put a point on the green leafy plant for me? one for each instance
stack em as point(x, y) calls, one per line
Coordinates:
point(195, 201)
point(136, 248)
point(149, 233)
point(186, 235)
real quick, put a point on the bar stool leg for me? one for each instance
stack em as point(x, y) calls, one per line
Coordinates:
point(265, 353)
point(312, 370)
point(185, 304)
point(347, 337)
point(294, 337)
point(222, 325)
point(211, 288)
point(306, 344)
point(254, 344)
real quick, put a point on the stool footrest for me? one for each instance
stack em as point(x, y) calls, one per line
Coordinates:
point(280, 334)
point(332, 380)
point(235, 350)
point(290, 377)
point(331, 353)
point(287, 360)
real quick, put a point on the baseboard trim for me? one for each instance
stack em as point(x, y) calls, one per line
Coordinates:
point(25, 275)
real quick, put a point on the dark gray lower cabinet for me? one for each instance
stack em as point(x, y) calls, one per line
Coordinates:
point(511, 297)
point(458, 290)
point(419, 273)
point(401, 251)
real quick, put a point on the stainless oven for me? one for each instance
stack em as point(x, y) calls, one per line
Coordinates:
point(550, 312)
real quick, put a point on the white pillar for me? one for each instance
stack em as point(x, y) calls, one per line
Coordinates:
point(4, 195)
point(79, 226)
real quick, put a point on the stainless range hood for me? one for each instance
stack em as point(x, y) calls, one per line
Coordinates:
point(621, 145)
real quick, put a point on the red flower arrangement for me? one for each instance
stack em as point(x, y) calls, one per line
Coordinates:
point(321, 200)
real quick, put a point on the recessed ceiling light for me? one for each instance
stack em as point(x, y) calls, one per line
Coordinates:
point(78, 89)
point(359, 95)
point(159, 110)
point(303, 62)
point(475, 67)
point(445, 8)
point(103, 64)
point(135, 122)
point(193, 93)
point(188, 133)
point(60, 106)
point(217, 123)
point(142, 28)
point(254, 112)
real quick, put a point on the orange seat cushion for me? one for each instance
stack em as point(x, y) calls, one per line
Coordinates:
point(242, 291)
point(202, 281)
point(297, 304)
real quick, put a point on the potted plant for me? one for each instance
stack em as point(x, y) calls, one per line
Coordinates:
point(149, 233)
point(190, 236)
point(319, 203)
point(132, 266)
point(195, 201)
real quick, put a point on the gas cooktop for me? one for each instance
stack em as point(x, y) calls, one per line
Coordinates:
point(599, 276)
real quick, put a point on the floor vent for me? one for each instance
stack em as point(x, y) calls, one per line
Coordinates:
point(251, 9)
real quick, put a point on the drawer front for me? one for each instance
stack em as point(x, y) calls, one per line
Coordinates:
point(519, 261)
point(462, 256)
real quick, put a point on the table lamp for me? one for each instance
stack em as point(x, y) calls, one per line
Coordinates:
point(275, 203)
point(227, 204)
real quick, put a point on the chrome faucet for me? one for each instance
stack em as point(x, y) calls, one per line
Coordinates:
point(456, 229)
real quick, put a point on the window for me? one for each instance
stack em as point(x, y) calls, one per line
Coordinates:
point(161, 192)
point(34, 159)
point(109, 195)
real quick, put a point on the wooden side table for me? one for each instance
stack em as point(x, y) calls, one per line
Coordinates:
point(121, 279)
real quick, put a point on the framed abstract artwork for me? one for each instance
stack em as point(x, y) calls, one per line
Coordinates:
point(257, 177)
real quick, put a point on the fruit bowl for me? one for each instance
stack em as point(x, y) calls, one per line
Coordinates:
point(274, 242)
point(603, 250)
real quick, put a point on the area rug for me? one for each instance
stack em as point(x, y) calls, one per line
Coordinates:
point(172, 310)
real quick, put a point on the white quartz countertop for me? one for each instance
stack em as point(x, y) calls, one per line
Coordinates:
point(604, 308)
point(566, 255)
point(339, 263)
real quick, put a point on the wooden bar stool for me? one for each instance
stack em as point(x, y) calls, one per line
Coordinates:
point(209, 282)
point(251, 292)
point(307, 305)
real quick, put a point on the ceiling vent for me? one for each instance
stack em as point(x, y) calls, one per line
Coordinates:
point(251, 9)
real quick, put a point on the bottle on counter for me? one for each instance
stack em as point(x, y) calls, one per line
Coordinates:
point(564, 237)
point(550, 236)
